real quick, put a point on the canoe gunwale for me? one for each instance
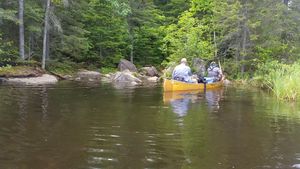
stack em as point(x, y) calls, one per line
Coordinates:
point(174, 85)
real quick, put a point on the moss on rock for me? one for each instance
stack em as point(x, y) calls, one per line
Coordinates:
point(20, 71)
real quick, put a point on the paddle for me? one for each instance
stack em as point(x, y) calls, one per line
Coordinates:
point(220, 67)
point(221, 70)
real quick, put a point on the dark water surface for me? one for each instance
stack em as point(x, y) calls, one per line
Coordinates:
point(79, 126)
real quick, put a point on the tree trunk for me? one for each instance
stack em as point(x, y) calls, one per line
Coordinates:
point(131, 45)
point(286, 2)
point(131, 37)
point(245, 31)
point(131, 53)
point(238, 49)
point(48, 46)
point(29, 46)
point(45, 34)
point(215, 44)
point(244, 48)
point(21, 30)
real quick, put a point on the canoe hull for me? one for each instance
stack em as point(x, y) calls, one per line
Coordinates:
point(173, 85)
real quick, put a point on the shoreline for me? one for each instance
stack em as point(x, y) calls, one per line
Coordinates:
point(26, 75)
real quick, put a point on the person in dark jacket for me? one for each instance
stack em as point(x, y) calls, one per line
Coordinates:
point(214, 72)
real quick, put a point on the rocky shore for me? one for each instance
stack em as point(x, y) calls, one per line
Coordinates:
point(127, 75)
point(41, 80)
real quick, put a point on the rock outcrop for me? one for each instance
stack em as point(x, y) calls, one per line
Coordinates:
point(149, 71)
point(227, 82)
point(125, 64)
point(153, 79)
point(107, 78)
point(296, 166)
point(199, 66)
point(42, 80)
point(167, 72)
point(125, 77)
point(88, 76)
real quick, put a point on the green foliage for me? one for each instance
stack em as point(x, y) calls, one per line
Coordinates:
point(191, 37)
point(7, 50)
point(145, 33)
point(172, 9)
point(8, 14)
point(281, 79)
point(106, 70)
point(98, 33)
point(107, 32)
point(278, 30)
point(72, 42)
point(63, 67)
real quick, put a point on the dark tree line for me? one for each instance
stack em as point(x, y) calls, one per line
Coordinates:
point(240, 33)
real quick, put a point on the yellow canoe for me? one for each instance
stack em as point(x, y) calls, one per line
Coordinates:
point(174, 85)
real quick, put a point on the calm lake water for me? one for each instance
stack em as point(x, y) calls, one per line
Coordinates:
point(81, 126)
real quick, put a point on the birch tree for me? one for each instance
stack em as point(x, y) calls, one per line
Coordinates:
point(50, 16)
point(21, 30)
point(46, 27)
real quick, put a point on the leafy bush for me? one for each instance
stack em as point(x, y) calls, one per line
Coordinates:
point(62, 68)
point(106, 70)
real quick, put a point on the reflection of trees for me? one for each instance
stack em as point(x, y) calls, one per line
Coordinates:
point(224, 141)
point(200, 141)
point(149, 135)
point(33, 129)
point(106, 128)
point(281, 130)
point(250, 130)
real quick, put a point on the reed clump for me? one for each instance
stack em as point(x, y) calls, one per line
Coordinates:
point(282, 79)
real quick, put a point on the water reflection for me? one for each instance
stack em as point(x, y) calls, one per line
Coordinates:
point(180, 106)
point(213, 98)
point(77, 126)
point(181, 101)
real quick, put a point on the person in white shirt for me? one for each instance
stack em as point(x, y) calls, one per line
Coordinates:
point(182, 72)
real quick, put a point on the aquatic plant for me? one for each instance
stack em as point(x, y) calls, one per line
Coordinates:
point(282, 79)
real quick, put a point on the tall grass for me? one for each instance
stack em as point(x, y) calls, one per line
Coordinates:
point(282, 79)
point(285, 82)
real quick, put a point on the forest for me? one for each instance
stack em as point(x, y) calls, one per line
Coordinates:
point(251, 38)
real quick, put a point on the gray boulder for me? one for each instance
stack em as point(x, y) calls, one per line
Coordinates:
point(167, 72)
point(2, 80)
point(88, 76)
point(227, 82)
point(148, 79)
point(149, 71)
point(125, 64)
point(42, 80)
point(107, 78)
point(125, 77)
point(296, 166)
point(153, 79)
point(199, 66)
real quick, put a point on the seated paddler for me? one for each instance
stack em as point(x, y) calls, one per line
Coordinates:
point(214, 72)
point(182, 72)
